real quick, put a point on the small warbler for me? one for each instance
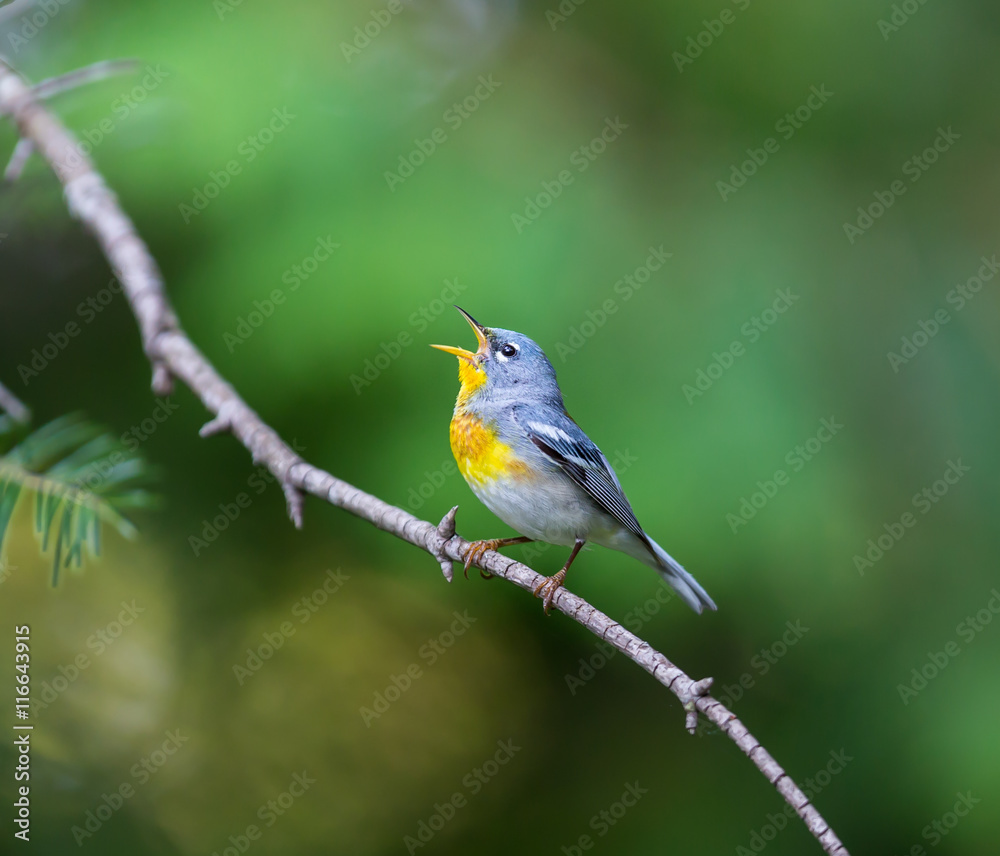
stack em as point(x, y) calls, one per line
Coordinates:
point(535, 469)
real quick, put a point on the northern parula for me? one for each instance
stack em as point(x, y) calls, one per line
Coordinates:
point(531, 465)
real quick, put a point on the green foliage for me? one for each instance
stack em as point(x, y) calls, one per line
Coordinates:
point(624, 357)
point(81, 477)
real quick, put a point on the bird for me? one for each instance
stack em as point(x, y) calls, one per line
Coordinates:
point(529, 463)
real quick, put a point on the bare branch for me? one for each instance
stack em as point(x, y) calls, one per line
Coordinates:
point(13, 406)
point(82, 76)
point(174, 356)
point(446, 531)
point(18, 7)
point(18, 159)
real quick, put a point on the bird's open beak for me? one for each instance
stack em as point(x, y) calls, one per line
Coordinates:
point(461, 353)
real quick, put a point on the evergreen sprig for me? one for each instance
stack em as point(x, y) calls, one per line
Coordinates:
point(81, 477)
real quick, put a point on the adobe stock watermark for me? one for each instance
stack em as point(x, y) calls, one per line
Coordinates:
point(121, 108)
point(959, 297)
point(472, 783)
point(966, 631)
point(432, 483)
point(430, 652)
point(581, 159)
point(811, 787)
point(87, 311)
point(6, 569)
point(914, 169)
point(635, 619)
point(561, 13)
point(34, 23)
point(293, 277)
point(602, 822)
point(923, 501)
point(247, 151)
point(268, 813)
point(626, 288)
point(453, 118)
point(752, 330)
point(620, 461)
point(901, 15)
point(140, 772)
point(391, 351)
point(225, 7)
point(229, 512)
point(98, 642)
point(146, 428)
point(761, 664)
point(697, 44)
point(796, 459)
point(97, 472)
point(938, 829)
point(303, 610)
point(378, 20)
point(787, 126)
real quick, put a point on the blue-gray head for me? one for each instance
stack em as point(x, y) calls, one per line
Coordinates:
point(508, 366)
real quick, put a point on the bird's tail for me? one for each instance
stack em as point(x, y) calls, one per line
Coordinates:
point(680, 580)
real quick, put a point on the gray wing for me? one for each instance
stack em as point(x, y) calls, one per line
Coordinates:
point(563, 441)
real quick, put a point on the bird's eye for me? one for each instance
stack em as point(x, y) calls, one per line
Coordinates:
point(508, 350)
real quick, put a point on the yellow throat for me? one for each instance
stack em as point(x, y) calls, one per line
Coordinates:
point(480, 455)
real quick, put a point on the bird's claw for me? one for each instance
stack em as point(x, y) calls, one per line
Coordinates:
point(548, 587)
point(475, 553)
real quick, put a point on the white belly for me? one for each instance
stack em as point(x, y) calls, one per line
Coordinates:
point(546, 508)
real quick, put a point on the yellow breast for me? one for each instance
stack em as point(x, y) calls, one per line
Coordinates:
point(471, 376)
point(481, 457)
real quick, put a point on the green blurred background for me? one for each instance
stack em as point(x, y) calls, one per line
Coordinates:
point(689, 460)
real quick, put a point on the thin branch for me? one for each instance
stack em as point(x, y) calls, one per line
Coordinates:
point(13, 406)
point(174, 356)
point(81, 76)
point(56, 86)
point(18, 7)
point(18, 159)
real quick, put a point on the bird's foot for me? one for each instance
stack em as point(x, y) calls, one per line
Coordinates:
point(475, 552)
point(548, 587)
point(477, 548)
